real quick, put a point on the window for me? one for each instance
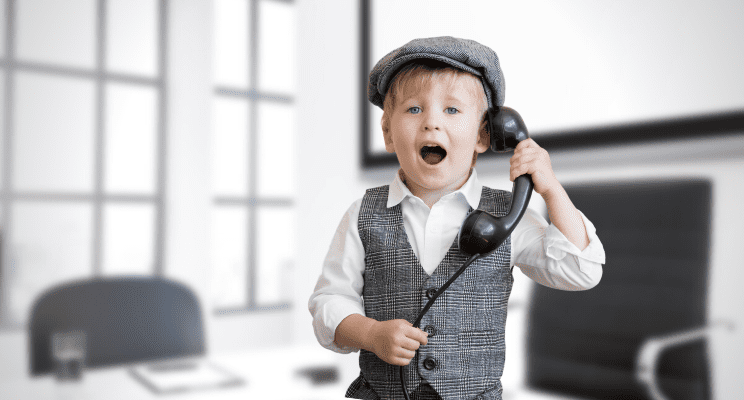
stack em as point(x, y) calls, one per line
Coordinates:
point(253, 213)
point(82, 101)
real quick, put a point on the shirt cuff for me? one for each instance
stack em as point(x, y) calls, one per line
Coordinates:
point(326, 322)
point(557, 246)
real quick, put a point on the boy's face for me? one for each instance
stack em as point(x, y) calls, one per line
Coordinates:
point(433, 128)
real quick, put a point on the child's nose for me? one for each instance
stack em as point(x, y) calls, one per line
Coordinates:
point(432, 121)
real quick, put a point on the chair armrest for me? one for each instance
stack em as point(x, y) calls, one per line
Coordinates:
point(648, 355)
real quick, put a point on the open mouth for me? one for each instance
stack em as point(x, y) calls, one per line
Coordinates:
point(433, 154)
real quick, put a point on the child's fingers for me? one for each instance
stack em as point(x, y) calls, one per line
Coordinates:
point(402, 361)
point(525, 166)
point(522, 144)
point(419, 336)
point(524, 155)
point(524, 158)
point(414, 333)
point(516, 173)
point(527, 143)
point(410, 344)
point(405, 353)
point(527, 150)
point(528, 159)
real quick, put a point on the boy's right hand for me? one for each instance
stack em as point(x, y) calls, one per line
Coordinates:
point(396, 341)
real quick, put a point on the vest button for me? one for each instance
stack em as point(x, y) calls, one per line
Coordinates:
point(430, 330)
point(430, 363)
point(430, 292)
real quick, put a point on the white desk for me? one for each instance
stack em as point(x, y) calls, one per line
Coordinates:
point(269, 374)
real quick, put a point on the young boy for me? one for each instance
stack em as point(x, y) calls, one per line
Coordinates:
point(396, 245)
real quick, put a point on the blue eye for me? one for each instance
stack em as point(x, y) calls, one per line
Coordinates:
point(414, 110)
point(451, 110)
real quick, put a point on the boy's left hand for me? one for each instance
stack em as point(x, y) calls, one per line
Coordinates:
point(529, 158)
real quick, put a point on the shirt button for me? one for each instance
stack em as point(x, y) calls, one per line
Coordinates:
point(430, 292)
point(430, 363)
point(430, 330)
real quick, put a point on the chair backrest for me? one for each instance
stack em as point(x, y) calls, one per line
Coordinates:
point(656, 237)
point(124, 319)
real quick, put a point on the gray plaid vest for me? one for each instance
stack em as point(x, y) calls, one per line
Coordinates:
point(464, 357)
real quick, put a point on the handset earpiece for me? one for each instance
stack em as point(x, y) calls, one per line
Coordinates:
point(482, 233)
point(506, 128)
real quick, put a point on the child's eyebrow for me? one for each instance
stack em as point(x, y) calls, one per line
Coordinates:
point(453, 97)
point(459, 99)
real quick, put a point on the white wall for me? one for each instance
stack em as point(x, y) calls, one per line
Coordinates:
point(327, 120)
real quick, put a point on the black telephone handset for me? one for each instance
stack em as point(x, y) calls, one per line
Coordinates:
point(482, 233)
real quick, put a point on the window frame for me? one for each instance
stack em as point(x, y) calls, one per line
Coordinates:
point(98, 198)
point(252, 201)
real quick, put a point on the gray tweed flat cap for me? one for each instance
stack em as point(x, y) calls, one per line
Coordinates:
point(467, 55)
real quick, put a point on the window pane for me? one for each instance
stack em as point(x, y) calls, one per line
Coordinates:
point(132, 36)
point(2, 124)
point(128, 239)
point(231, 66)
point(131, 138)
point(377, 142)
point(276, 153)
point(54, 133)
point(275, 254)
point(2, 27)
point(230, 146)
point(50, 243)
point(276, 49)
point(57, 32)
point(229, 257)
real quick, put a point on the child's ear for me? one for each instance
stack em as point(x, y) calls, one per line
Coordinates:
point(484, 138)
point(386, 134)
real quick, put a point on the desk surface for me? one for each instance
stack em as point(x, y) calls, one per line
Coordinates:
point(269, 374)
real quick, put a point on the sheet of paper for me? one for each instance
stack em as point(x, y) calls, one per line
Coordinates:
point(177, 376)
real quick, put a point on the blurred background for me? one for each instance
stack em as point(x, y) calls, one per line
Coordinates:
point(217, 144)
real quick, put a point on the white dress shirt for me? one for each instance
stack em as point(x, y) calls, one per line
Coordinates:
point(540, 250)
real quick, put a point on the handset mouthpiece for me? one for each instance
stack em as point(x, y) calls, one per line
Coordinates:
point(483, 233)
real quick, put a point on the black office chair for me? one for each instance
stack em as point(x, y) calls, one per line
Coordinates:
point(125, 320)
point(656, 237)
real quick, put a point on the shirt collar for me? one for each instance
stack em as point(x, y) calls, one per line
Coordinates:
point(471, 190)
